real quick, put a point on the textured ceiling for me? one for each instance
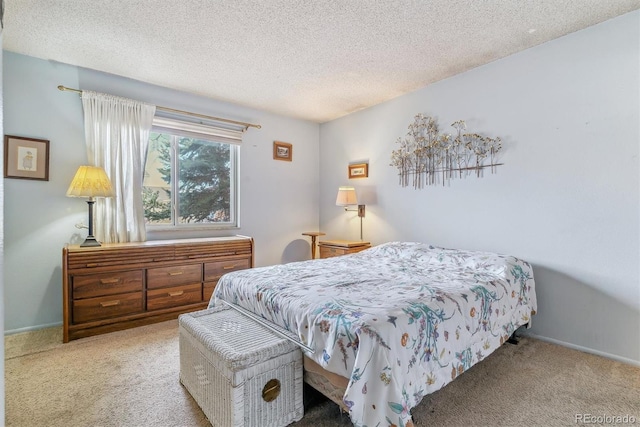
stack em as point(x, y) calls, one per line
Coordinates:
point(315, 59)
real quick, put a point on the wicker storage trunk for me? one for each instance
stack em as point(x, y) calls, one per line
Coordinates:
point(239, 372)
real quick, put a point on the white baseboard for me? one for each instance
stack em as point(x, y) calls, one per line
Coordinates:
point(32, 328)
point(585, 349)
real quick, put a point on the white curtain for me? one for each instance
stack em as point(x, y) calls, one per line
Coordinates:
point(117, 136)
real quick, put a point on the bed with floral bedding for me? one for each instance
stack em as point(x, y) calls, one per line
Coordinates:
point(398, 321)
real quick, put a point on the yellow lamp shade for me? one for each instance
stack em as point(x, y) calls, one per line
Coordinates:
point(90, 181)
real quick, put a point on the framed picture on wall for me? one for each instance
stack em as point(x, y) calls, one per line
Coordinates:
point(26, 158)
point(359, 170)
point(282, 151)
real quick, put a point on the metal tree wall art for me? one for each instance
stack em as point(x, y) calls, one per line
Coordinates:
point(426, 156)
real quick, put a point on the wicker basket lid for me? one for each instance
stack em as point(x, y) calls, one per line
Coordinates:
point(237, 339)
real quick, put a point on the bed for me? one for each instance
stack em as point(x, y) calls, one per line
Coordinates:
point(390, 324)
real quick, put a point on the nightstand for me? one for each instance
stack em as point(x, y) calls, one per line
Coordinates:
point(331, 248)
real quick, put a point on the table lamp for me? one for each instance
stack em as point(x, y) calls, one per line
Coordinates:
point(91, 182)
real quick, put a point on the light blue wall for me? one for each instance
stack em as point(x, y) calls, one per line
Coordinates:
point(278, 200)
point(2, 408)
point(566, 200)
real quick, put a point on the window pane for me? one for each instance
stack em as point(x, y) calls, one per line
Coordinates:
point(204, 182)
point(156, 190)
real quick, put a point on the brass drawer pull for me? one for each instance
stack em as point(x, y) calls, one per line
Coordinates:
point(110, 303)
point(176, 273)
point(109, 281)
point(229, 267)
point(176, 293)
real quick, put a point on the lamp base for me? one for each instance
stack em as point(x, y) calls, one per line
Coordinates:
point(90, 241)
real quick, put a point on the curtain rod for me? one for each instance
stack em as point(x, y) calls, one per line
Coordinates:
point(188, 113)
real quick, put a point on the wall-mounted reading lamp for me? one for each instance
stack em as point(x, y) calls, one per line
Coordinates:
point(347, 197)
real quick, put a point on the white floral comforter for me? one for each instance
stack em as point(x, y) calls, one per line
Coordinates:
point(399, 320)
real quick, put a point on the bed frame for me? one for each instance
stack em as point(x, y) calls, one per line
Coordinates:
point(333, 386)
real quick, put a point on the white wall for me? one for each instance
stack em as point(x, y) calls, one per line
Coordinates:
point(566, 200)
point(278, 200)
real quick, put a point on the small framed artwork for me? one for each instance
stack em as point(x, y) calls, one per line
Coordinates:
point(360, 170)
point(282, 151)
point(26, 158)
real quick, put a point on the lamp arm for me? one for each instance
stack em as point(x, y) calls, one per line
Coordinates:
point(360, 209)
point(361, 212)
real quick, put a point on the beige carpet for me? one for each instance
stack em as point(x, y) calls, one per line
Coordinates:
point(130, 378)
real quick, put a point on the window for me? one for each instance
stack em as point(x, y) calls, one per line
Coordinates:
point(191, 175)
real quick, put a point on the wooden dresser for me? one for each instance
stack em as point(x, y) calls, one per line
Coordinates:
point(123, 285)
point(331, 248)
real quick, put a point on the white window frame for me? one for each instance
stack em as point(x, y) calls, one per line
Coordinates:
point(216, 134)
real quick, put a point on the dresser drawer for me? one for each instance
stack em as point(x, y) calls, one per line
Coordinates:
point(115, 282)
point(213, 270)
point(90, 309)
point(329, 251)
point(337, 249)
point(174, 296)
point(173, 276)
